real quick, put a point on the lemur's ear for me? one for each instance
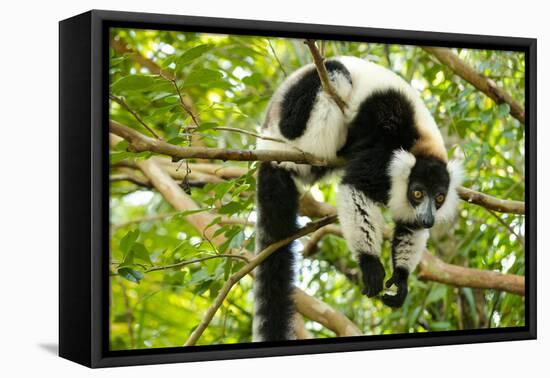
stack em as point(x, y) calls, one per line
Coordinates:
point(456, 173)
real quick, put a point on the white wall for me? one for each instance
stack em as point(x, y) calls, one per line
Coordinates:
point(29, 189)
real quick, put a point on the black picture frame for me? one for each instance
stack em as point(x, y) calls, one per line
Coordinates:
point(83, 197)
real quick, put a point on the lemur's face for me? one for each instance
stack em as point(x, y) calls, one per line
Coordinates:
point(428, 189)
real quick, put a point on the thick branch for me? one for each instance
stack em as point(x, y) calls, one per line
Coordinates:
point(432, 268)
point(258, 259)
point(323, 75)
point(481, 82)
point(490, 202)
point(322, 313)
point(140, 143)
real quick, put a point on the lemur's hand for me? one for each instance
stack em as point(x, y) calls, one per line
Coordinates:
point(399, 279)
point(373, 274)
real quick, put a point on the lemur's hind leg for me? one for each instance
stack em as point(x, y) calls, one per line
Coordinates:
point(407, 245)
point(362, 225)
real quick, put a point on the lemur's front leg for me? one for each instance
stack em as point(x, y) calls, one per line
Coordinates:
point(362, 225)
point(407, 246)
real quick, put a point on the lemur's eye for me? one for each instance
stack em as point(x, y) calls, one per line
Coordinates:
point(440, 198)
point(417, 194)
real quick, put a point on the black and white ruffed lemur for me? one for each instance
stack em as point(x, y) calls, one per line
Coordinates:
point(395, 157)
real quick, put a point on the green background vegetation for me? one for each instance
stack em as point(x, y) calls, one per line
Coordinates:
point(230, 80)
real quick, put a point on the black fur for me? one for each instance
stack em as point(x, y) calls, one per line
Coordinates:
point(399, 279)
point(429, 175)
point(400, 275)
point(384, 123)
point(375, 184)
point(373, 274)
point(277, 207)
point(300, 99)
point(385, 118)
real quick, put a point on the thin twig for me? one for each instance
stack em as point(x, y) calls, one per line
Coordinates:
point(276, 57)
point(507, 226)
point(128, 314)
point(323, 75)
point(194, 261)
point(123, 103)
point(242, 131)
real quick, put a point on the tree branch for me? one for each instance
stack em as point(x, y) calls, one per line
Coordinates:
point(490, 202)
point(481, 82)
point(323, 75)
point(236, 277)
point(322, 313)
point(431, 268)
point(140, 143)
point(138, 118)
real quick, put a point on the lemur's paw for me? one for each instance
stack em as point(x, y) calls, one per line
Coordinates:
point(399, 279)
point(373, 274)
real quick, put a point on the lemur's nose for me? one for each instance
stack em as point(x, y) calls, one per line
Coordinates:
point(427, 222)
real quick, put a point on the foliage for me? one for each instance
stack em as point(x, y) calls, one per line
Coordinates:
point(227, 81)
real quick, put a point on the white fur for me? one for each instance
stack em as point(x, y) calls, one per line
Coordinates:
point(362, 234)
point(399, 171)
point(326, 130)
point(448, 209)
point(409, 249)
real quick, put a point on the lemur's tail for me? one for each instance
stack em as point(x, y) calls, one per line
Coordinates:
point(277, 207)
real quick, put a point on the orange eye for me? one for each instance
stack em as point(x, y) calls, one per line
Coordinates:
point(417, 194)
point(440, 198)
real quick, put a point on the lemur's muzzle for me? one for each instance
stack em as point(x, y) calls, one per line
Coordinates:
point(425, 213)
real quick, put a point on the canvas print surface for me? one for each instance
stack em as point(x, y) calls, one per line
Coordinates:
point(273, 189)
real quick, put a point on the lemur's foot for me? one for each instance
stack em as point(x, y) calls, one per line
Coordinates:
point(373, 274)
point(399, 279)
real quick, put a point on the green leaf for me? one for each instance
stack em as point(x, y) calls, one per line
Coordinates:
point(237, 240)
point(173, 99)
point(440, 326)
point(115, 157)
point(128, 241)
point(176, 140)
point(253, 80)
point(227, 267)
point(203, 287)
point(202, 76)
point(503, 110)
point(122, 146)
point(437, 293)
point(133, 83)
point(199, 276)
point(207, 126)
point(130, 274)
point(230, 208)
point(191, 54)
point(141, 253)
